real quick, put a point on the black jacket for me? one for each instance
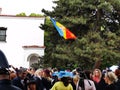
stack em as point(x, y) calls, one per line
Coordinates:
point(6, 85)
point(117, 85)
point(17, 82)
point(47, 83)
point(39, 83)
point(114, 86)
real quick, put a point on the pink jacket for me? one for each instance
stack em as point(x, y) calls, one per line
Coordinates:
point(88, 86)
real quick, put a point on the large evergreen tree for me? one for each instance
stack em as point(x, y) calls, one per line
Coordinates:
point(96, 23)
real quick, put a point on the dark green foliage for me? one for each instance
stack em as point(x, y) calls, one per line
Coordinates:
point(96, 23)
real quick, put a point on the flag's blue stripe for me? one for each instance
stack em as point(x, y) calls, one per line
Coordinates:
point(58, 29)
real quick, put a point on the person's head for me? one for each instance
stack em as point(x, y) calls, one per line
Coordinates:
point(76, 79)
point(110, 77)
point(4, 73)
point(97, 73)
point(22, 73)
point(65, 77)
point(87, 74)
point(31, 84)
point(78, 70)
point(32, 70)
point(66, 80)
point(39, 72)
point(117, 72)
point(12, 75)
point(46, 73)
point(4, 66)
point(3, 61)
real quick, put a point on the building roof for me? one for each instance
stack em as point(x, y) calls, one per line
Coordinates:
point(1, 15)
point(33, 46)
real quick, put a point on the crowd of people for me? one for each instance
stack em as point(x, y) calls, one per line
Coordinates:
point(56, 79)
point(22, 78)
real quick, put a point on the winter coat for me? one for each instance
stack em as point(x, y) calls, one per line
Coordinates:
point(6, 85)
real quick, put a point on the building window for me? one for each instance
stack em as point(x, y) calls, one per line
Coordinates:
point(3, 33)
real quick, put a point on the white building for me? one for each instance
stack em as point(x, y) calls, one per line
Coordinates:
point(21, 39)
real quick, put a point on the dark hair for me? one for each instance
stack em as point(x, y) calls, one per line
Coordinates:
point(65, 81)
point(47, 72)
point(117, 72)
point(87, 74)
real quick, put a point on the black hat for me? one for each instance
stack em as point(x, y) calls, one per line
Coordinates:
point(3, 60)
point(3, 64)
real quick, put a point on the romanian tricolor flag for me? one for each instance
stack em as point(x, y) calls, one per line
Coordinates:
point(62, 30)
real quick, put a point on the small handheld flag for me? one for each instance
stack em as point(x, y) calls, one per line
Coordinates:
point(62, 30)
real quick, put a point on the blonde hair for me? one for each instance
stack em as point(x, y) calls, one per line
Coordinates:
point(99, 71)
point(111, 76)
point(38, 71)
point(76, 78)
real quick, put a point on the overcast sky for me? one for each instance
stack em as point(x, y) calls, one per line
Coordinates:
point(13, 7)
